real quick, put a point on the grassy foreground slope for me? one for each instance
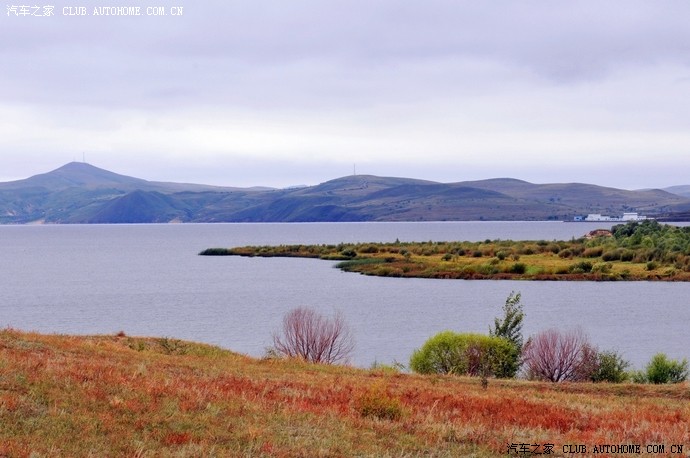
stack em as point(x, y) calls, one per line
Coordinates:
point(123, 396)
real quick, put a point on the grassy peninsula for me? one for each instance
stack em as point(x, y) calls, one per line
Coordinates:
point(644, 250)
point(127, 396)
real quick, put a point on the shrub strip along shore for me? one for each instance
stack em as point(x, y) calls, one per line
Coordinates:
point(633, 251)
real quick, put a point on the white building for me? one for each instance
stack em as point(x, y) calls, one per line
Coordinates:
point(630, 216)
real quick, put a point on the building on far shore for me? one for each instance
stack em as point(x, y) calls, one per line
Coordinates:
point(630, 216)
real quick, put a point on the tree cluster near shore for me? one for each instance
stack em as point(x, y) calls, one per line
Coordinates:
point(646, 250)
point(551, 355)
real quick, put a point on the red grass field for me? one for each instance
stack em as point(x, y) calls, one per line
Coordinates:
point(120, 396)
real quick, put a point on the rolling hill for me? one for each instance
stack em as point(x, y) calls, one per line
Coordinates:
point(680, 190)
point(81, 193)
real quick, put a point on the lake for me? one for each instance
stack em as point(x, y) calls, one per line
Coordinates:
point(148, 280)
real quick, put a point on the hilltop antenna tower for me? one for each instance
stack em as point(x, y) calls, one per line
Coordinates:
point(354, 170)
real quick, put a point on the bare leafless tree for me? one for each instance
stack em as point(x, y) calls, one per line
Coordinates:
point(308, 335)
point(560, 356)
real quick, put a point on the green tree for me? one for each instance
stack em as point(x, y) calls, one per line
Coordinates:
point(449, 352)
point(510, 326)
point(611, 367)
point(663, 370)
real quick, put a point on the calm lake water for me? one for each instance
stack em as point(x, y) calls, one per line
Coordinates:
point(149, 280)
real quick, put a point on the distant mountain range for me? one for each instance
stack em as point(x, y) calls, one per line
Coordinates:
point(81, 193)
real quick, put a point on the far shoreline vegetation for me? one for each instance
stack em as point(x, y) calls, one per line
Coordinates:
point(642, 251)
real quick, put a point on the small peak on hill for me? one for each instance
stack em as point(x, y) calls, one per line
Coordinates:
point(84, 174)
point(74, 165)
point(371, 182)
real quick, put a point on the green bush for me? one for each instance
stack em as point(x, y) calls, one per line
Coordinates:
point(602, 267)
point(611, 368)
point(627, 255)
point(663, 370)
point(487, 269)
point(348, 253)
point(553, 248)
point(581, 267)
point(528, 250)
point(652, 265)
point(449, 352)
point(638, 376)
point(518, 268)
point(565, 253)
point(612, 255)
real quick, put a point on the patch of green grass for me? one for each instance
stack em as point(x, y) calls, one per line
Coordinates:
point(355, 264)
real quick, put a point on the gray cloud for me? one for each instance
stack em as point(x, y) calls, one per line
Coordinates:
point(440, 79)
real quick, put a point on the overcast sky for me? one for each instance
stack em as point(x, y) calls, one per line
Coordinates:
point(279, 93)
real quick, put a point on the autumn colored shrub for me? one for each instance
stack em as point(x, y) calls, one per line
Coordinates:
point(593, 252)
point(553, 248)
point(308, 335)
point(377, 403)
point(369, 249)
point(557, 356)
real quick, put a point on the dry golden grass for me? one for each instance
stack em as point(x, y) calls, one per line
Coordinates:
point(120, 396)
